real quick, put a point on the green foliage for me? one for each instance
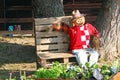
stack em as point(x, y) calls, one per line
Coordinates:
point(70, 72)
point(105, 70)
point(12, 78)
point(109, 71)
point(57, 71)
point(116, 64)
point(88, 72)
point(53, 72)
point(66, 71)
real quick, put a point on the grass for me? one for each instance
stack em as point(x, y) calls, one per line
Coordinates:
point(17, 53)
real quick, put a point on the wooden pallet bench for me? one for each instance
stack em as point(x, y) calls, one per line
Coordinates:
point(51, 45)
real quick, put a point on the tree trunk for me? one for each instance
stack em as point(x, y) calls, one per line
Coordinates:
point(48, 8)
point(108, 23)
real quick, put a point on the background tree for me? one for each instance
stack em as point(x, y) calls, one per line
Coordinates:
point(109, 26)
point(48, 8)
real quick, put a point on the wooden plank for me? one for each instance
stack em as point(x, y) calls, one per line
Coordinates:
point(18, 20)
point(50, 34)
point(64, 49)
point(54, 55)
point(90, 18)
point(50, 47)
point(43, 27)
point(42, 21)
point(66, 60)
point(2, 20)
point(17, 32)
point(83, 5)
point(48, 21)
point(43, 62)
point(19, 8)
point(51, 40)
point(85, 11)
point(54, 51)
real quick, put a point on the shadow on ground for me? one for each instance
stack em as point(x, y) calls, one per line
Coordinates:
point(16, 75)
point(16, 55)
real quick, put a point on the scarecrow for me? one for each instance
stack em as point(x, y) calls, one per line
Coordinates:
point(79, 35)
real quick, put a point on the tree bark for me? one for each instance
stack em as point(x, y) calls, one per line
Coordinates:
point(48, 8)
point(108, 23)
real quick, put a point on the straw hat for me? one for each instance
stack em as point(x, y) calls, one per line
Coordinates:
point(76, 14)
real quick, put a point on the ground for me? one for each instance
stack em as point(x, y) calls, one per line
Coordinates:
point(16, 54)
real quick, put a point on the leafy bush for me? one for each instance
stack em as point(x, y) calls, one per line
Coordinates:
point(57, 71)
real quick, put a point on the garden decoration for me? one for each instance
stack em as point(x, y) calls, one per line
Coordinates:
point(79, 34)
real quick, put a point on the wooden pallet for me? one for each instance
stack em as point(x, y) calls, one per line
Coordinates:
point(51, 45)
point(46, 59)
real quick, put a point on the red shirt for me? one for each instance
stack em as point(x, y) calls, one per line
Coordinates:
point(80, 36)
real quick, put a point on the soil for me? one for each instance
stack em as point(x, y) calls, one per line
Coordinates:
point(17, 54)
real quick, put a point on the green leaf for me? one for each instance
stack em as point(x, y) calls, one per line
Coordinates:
point(94, 66)
point(87, 64)
point(105, 70)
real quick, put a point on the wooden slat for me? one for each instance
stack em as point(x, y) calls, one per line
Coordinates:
point(2, 20)
point(43, 62)
point(90, 18)
point(48, 21)
point(22, 20)
point(54, 55)
point(50, 47)
point(51, 40)
point(54, 51)
point(84, 11)
point(17, 32)
point(48, 34)
point(42, 21)
point(66, 60)
point(19, 8)
point(42, 27)
point(83, 6)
